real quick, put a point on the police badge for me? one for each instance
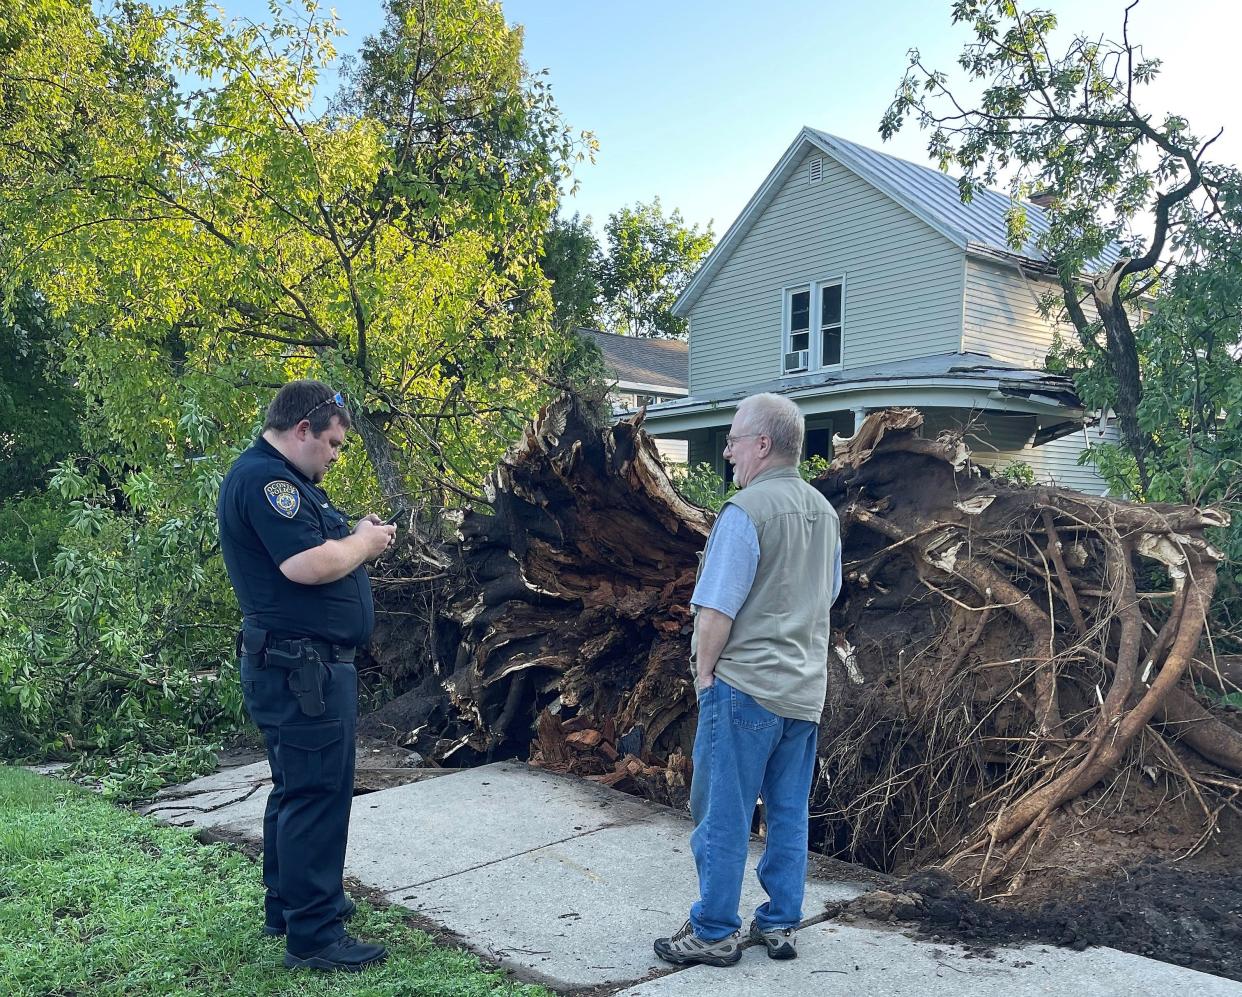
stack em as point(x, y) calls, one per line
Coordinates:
point(284, 498)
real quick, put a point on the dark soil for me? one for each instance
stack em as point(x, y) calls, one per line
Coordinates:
point(1180, 916)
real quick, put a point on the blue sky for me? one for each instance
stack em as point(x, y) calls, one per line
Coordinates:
point(695, 101)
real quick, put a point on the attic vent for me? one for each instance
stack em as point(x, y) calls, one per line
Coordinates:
point(817, 169)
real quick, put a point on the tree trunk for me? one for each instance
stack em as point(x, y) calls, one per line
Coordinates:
point(380, 454)
point(1123, 357)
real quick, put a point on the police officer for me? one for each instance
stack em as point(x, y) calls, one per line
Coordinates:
point(297, 569)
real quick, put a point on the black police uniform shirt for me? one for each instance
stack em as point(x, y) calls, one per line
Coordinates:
point(268, 512)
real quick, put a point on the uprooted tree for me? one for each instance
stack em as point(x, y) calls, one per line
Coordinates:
point(997, 651)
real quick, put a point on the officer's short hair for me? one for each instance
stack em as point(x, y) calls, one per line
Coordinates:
point(306, 399)
point(779, 419)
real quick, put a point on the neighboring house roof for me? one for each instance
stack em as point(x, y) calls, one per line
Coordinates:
point(977, 226)
point(656, 366)
point(966, 379)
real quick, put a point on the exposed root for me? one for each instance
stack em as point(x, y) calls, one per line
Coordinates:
point(998, 652)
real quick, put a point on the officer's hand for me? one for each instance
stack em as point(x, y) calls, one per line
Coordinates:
point(378, 537)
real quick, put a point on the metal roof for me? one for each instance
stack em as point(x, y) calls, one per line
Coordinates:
point(932, 194)
point(662, 363)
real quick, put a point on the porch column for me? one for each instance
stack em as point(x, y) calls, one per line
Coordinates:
point(860, 414)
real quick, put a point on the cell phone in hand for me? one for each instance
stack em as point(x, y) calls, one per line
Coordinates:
point(391, 520)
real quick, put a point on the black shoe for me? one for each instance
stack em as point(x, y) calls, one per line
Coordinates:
point(346, 955)
point(276, 930)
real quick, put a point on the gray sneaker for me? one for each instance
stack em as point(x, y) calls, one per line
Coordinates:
point(781, 943)
point(686, 947)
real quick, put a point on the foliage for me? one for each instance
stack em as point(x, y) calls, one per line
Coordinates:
point(573, 263)
point(132, 774)
point(630, 289)
point(1144, 233)
point(1191, 347)
point(30, 530)
point(39, 407)
point(194, 234)
point(119, 648)
point(581, 370)
point(1120, 182)
point(1017, 472)
point(700, 485)
point(226, 239)
point(102, 903)
point(813, 467)
point(651, 258)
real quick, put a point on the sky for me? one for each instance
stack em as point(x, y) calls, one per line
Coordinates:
point(694, 101)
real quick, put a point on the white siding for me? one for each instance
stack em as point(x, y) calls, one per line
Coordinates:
point(1057, 462)
point(673, 451)
point(903, 281)
point(1001, 315)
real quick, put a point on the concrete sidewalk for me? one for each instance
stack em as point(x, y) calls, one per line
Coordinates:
point(566, 883)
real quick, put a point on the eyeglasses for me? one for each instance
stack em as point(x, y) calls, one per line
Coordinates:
point(731, 439)
point(338, 398)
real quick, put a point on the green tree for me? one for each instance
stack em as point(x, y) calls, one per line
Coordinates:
point(1190, 349)
point(573, 263)
point(651, 258)
point(227, 238)
point(1069, 125)
point(40, 409)
point(201, 235)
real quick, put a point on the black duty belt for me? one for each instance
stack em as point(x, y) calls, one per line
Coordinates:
point(327, 652)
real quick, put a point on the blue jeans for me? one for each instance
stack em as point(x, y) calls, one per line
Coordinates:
point(742, 751)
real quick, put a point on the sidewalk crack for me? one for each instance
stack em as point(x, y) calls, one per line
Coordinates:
point(514, 855)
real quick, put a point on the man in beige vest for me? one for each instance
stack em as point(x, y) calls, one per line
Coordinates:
point(770, 573)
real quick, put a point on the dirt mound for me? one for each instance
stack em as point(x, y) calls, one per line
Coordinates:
point(1176, 915)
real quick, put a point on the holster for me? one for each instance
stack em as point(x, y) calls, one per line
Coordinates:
point(306, 673)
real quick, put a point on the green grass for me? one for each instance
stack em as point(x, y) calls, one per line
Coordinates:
point(96, 901)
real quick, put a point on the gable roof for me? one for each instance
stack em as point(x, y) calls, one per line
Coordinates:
point(649, 363)
point(927, 193)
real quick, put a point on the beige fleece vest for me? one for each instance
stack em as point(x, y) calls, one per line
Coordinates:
point(777, 651)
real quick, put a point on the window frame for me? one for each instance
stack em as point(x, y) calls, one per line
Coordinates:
point(815, 329)
point(822, 286)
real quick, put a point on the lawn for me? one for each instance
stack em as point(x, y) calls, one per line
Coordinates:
point(95, 901)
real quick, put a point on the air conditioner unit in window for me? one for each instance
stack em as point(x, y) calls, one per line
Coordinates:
point(798, 360)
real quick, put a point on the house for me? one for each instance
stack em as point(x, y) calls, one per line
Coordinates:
point(644, 372)
point(854, 281)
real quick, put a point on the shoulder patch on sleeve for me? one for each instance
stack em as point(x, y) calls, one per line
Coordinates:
point(284, 498)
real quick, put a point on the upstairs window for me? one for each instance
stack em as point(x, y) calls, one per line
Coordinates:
point(798, 340)
point(814, 324)
point(830, 325)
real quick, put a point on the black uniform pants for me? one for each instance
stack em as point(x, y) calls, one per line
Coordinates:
point(306, 824)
